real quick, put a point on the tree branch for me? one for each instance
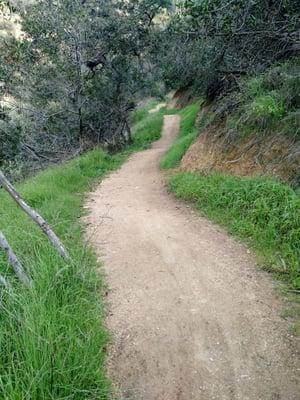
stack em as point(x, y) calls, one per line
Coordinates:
point(14, 262)
point(37, 218)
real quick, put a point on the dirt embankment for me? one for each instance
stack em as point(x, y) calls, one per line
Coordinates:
point(275, 155)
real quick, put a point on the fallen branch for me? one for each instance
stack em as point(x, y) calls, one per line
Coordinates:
point(14, 262)
point(37, 218)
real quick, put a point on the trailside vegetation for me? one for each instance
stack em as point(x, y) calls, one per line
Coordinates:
point(52, 339)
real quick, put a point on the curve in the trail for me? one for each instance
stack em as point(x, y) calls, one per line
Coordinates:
point(192, 317)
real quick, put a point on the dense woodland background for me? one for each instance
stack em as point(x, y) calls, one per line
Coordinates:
point(71, 72)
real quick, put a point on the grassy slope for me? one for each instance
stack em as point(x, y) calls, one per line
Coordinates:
point(52, 339)
point(269, 103)
point(147, 127)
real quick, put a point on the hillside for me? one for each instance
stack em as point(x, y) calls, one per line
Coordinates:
point(254, 132)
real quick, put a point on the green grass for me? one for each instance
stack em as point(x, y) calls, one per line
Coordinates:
point(269, 103)
point(52, 339)
point(262, 211)
point(188, 133)
point(141, 113)
point(148, 130)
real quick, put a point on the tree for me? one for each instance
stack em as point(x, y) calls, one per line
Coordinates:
point(213, 41)
point(76, 74)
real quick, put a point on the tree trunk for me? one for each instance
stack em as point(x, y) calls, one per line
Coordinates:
point(14, 262)
point(37, 218)
point(173, 7)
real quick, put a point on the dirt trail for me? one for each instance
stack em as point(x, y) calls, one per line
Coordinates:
point(192, 317)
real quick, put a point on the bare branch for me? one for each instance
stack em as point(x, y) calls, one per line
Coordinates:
point(14, 262)
point(37, 218)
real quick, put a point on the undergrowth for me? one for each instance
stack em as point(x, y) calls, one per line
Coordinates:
point(188, 133)
point(268, 103)
point(52, 340)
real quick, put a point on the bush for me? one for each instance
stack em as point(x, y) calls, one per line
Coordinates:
point(265, 109)
point(267, 104)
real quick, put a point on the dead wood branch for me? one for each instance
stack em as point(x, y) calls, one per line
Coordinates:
point(14, 262)
point(37, 218)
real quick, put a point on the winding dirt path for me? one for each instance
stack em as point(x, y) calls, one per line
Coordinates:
point(192, 317)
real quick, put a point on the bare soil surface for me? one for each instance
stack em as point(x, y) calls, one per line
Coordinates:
point(276, 155)
point(192, 316)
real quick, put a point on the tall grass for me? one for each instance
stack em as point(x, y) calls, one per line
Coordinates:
point(188, 133)
point(263, 211)
point(269, 103)
point(52, 339)
point(148, 129)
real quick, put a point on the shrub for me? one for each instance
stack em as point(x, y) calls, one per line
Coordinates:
point(266, 109)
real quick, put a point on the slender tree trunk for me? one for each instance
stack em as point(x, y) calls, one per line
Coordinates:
point(37, 218)
point(79, 64)
point(173, 7)
point(14, 262)
point(80, 123)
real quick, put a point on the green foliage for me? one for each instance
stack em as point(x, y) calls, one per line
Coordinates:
point(52, 340)
point(270, 102)
point(210, 42)
point(188, 133)
point(148, 130)
point(75, 75)
point(262, 211)
point(141, 112)
point(267, 108)
point(254, 87)
point(207, 119)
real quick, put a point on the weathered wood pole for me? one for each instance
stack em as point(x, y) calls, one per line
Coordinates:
point(37, 218)
point(14, 262)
